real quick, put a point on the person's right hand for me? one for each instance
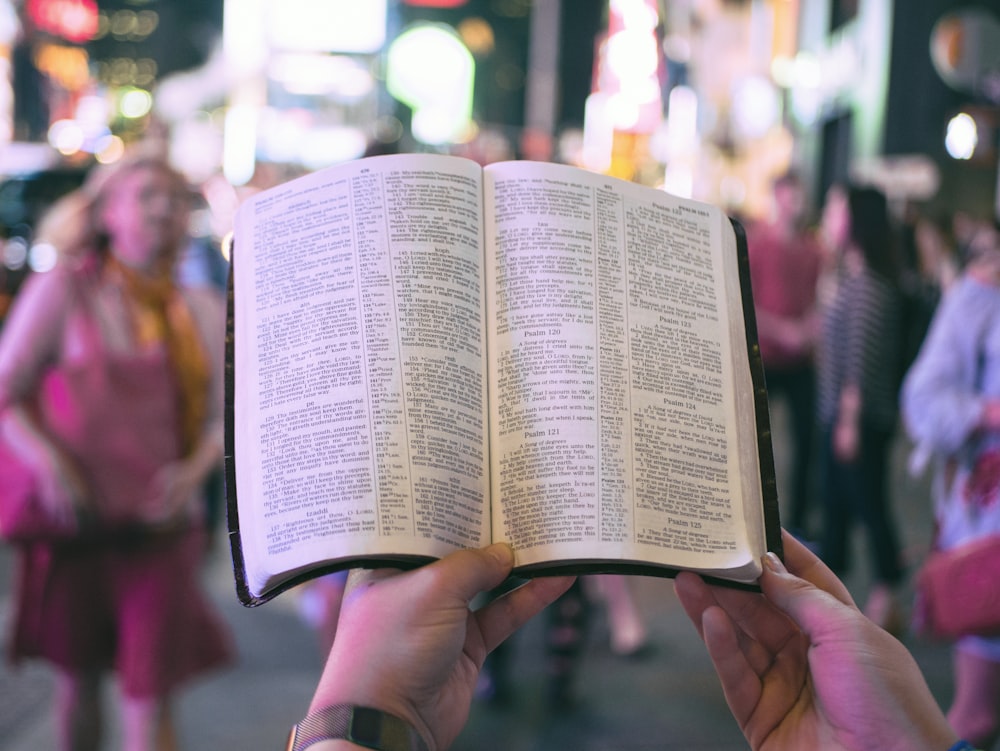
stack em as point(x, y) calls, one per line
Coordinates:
point(61, 489)
point(802, 668)
point(407, 642)
point(990, 419)
point(59, 485)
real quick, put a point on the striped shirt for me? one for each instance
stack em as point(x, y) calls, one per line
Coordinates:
point(860, 344)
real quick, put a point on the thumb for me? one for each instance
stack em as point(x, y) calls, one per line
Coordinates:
point(469, 572)
point(810, 606)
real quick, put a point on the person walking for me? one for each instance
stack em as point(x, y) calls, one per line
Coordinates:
point(857, 394)
point(785, 263)
point(951, 409)
point(110, 392)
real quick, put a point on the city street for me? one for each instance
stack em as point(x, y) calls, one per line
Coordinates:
point(668, 699)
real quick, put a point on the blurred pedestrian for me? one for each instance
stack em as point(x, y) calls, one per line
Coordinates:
point(627, 632)
point(857, 391)
point(568, 623)
point(930, 267)
point(785, 264)
point(951, 408)
point(110, 391)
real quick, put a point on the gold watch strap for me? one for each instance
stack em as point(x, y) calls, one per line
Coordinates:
point(363, 726)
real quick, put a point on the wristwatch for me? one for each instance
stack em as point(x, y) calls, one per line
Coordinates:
point(363, 726)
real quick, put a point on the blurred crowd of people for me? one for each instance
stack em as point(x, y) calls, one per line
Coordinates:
point(871, 325)
point(876, 327)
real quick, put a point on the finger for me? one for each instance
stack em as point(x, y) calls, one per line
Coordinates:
point(740, 683)
point(365, 577)
point(809, 606)
point(458, 577)
point(473, 571)
point(759, 620)
point(505, 615)
point(695, 597)
point(462, 574)
point(803, 563)
point(761, 629)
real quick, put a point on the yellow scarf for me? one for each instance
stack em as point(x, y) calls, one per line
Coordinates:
point(160, 314)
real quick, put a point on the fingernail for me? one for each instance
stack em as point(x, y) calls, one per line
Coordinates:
point(773, 562)
point(502, 553)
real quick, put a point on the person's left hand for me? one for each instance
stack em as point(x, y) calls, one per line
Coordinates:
point(802, 668)
point(408, 644)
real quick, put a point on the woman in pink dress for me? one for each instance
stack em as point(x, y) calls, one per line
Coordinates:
point(110, 391)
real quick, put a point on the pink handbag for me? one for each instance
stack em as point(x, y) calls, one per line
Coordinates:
point(958, 591)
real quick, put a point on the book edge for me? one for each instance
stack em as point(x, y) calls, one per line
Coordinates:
point(229, 415)
point(765, 448)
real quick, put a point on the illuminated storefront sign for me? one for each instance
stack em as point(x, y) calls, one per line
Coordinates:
point(435, 3)
point(432, 71)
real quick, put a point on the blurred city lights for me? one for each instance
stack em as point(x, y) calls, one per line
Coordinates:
point(629, 67)
point(323, 146)
point(598, 133)
point(66, 136)
point(239, 150)
point(129, 26)
point(755, 106)
point(632, 56)
point(636, 14)
point(15, 253)
point(243, 36)
point(135, 103)
point(962, 136)
point(74, 20)
point(196, 146)
point(42, 256)
point(304, 83)
point(69, 66)
point(678, 180)
point(109, 149)
point(432, 71)
point(682, 122)
point(681, 141)
point(435, 3)
point(344, 78)
point(477, 35)
point(326, 25)
point(624, 111)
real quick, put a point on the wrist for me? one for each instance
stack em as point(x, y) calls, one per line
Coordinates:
point(353, 675)
point(349, 726)
point(382, 705)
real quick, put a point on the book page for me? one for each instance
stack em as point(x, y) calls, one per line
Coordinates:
point(614, 321)
point(360, 397)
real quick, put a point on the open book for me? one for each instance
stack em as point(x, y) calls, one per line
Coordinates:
point(426, 355)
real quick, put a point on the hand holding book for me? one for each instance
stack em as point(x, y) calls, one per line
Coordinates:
point(426, 355)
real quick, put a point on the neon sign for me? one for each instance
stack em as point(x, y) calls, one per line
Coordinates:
point(72, 20)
